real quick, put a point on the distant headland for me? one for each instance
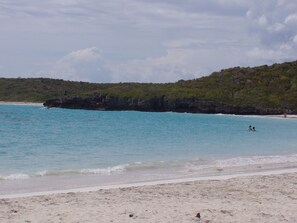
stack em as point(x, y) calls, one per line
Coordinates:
point(263, 90)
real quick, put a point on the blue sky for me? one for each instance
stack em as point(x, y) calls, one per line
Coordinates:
point(142, 40)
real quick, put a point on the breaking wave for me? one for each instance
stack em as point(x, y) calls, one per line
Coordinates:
point(243, 162)
point(256, 160)
point(16, 176)
point(179, 165)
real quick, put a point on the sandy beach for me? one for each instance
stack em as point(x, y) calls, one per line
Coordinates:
point(283, 116)
point(268, 198)
point(20, 103)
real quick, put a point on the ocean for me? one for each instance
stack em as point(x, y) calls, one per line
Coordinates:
point(48, 149)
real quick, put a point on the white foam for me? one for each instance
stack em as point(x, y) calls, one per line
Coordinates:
point(256, 160)
point(192, 167)
point(41, 173)
point(188, 166)
point(149, 183)
point(103, 171)
point(106, 171)
point(286, 160)
point(16, 176)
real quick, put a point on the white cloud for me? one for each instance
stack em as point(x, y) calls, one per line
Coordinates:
point(277, 27)
point(275, 22)
point(295, 39)
point(82, 65)
point(88, 65)
point(179, 43)
point(175, 65)
point(291, 18)
point(83, 55)
point(263, 20)
point(283, 53)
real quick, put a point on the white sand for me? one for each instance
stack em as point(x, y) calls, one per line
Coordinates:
point(270, 198)
point(282, 116)
point(20, 103)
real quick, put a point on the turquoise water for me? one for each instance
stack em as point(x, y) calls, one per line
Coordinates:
point(37, 142)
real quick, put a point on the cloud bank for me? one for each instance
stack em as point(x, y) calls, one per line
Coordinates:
point(142, 40)
point(275, 22)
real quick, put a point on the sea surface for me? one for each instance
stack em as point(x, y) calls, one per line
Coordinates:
point(48, 149)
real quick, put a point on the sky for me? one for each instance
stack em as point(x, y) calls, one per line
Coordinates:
point(142, 40)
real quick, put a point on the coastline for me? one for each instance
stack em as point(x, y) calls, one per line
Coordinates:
point(282, 116)
point(271, 197)
point(20, 103)
point(268, 116)
point(152, 183)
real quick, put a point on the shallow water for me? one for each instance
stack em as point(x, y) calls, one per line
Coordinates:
point(83, 148)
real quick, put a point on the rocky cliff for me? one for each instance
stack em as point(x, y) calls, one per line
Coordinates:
point(158, 104)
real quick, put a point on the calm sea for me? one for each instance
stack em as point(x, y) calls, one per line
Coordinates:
point(42, 149)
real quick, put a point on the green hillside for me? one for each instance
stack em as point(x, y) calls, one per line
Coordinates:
point(41, 89)
point(263, 87)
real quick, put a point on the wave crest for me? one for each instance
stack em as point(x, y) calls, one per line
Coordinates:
point(16, 176)
point(195, 165)
point(105, 171)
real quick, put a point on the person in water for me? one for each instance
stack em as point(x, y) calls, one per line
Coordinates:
point(252, 128)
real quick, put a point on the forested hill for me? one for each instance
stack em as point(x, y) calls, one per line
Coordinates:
point(264, 87)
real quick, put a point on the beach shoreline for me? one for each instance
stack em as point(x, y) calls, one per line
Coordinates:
point(288, 116)
point(283, 116)
point(23, 185)
point(270, 197)
point(20, 103)
point(150, 183)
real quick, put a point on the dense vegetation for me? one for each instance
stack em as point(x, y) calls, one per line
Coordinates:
point(263, 87)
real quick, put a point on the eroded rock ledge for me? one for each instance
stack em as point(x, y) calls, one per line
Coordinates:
point(159, 104)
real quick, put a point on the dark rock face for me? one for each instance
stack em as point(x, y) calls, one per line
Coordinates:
point(158, 104)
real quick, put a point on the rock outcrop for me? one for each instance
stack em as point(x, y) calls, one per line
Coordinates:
point(158, 104)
